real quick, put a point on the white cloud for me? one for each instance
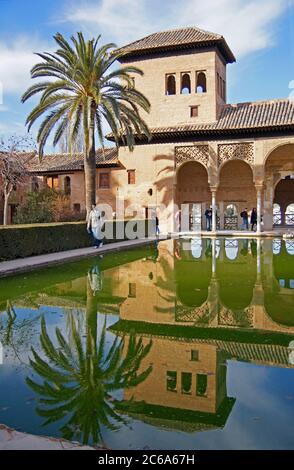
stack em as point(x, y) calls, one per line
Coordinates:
point(16, 60)
point(248, 25)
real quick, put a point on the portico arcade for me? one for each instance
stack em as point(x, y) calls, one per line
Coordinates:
point(232, 177)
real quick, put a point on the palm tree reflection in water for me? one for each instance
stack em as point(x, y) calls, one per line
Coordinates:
point(79, 379)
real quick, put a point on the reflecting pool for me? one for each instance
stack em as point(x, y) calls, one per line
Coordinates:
point(185, 344)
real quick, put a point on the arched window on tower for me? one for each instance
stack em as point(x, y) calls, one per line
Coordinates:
point(201, 86)
point(170, 85)
point(67, 186)
point(186, 84)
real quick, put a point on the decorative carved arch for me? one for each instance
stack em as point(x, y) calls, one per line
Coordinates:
point(192, 153)
point(241, 151)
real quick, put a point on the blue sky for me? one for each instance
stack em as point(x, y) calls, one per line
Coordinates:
point(260, 33)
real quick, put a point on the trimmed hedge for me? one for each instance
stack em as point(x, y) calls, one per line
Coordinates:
point(20, 241)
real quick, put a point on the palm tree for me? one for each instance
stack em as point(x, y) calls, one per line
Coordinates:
point(79, 382)
point(83, 90)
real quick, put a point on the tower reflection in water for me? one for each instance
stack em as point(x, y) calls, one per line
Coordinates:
point(203, 302)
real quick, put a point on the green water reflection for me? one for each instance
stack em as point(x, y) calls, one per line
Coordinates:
point(80, 337)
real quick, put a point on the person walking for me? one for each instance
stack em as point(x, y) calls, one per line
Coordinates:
point(253, 218)
point(208, 215)
point(94, 226)
point(178, 220)
point(244, 216)
point(157, 225)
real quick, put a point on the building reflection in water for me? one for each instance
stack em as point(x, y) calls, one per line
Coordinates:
point(203, 302)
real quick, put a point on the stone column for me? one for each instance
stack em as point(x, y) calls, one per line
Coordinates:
point(213, 267)
point(258, 259)
point(213, 204)
point(258, 207)
point(268, 203)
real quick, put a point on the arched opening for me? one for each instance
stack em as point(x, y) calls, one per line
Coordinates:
point(236, 275)
point(196, 248)
point(170, 85)
point(186, 84)
point(193, 189)
point(231, 248)
point(192, 277)
point(277, 244)
point(279, 186)
point(289, 219)
point(290, 248)
point(277, 215)
point(283, 199)
point(231, 216)
point(67, 186)
point(236, 192)
point(201, 86)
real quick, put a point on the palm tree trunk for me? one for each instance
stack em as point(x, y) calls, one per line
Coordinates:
point(90, 166)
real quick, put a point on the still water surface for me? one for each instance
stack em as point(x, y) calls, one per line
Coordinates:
point(182, 345)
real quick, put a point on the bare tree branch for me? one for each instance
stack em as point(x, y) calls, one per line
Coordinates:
point(15, 153)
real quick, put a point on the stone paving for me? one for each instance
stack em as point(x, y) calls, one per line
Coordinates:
point(21, 265)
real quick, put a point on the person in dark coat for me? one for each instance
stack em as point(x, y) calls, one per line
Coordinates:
point(253, 218)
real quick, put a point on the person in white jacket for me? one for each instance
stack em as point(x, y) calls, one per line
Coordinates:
point(95, 224)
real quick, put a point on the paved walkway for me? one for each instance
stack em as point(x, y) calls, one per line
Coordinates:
point(21, 265)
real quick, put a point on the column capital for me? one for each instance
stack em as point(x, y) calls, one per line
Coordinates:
point(259, 185)
point(213, 189)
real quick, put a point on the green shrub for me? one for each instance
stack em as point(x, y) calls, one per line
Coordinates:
point(38, 208)
point(45, 206)
point(21, 241)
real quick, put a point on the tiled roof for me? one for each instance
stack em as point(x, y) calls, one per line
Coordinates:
point(178, 39)
point(259, 115)
point(68, 162)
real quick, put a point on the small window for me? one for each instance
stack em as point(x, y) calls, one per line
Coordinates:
point(67, 186)
point(194, 111)
point(201, 385)
point(52, 182)
point(186, 84)
point(104, 180)
point(77, 208)
point(171, 381)
point(131, 176)
point(194, 355)
point(132, 290)
point(201, 82)
point(170, 88)
point(186, 382)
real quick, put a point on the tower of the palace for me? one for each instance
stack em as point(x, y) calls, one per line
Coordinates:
point(184, 75)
